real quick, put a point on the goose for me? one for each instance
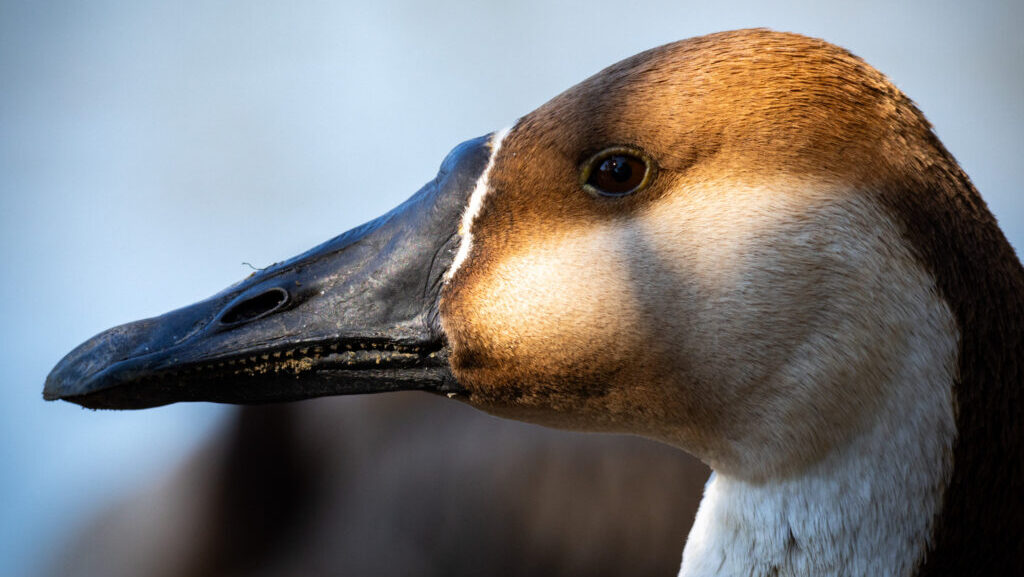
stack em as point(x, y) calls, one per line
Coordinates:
point(749, 245)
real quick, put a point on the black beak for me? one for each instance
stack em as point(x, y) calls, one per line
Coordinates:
point(357, 314)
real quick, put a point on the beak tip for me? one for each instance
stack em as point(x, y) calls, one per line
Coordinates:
point(58, 388)
point(69, 382)
point(55, 387)
point(81, 372)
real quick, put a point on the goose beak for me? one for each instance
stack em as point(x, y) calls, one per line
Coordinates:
point(357, 314)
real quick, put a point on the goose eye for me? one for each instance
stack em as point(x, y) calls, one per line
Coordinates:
point(616, 172)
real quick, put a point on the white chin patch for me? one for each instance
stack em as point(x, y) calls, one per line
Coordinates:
point(476, 201)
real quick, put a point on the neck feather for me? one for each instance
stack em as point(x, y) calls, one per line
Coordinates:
point(980, 530)
point(869, 506)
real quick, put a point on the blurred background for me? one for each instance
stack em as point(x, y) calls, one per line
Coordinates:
point(149, 149)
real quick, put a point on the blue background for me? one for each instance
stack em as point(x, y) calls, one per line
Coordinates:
point(148, 148)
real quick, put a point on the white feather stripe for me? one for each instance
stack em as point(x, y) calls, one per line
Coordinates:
point(476, 201)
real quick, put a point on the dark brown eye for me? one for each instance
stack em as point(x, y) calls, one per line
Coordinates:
point(616, 172)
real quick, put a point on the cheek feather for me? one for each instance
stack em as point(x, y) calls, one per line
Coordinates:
point(539, 303)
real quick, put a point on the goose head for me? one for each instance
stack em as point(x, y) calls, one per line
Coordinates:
point(749, 245)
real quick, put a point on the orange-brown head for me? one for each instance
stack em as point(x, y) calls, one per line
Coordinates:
point(738, 300)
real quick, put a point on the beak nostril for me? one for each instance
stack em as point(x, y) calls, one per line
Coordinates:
point(255, 307)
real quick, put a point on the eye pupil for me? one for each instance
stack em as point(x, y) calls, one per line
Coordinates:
point(618, 168)
point(618, 171)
